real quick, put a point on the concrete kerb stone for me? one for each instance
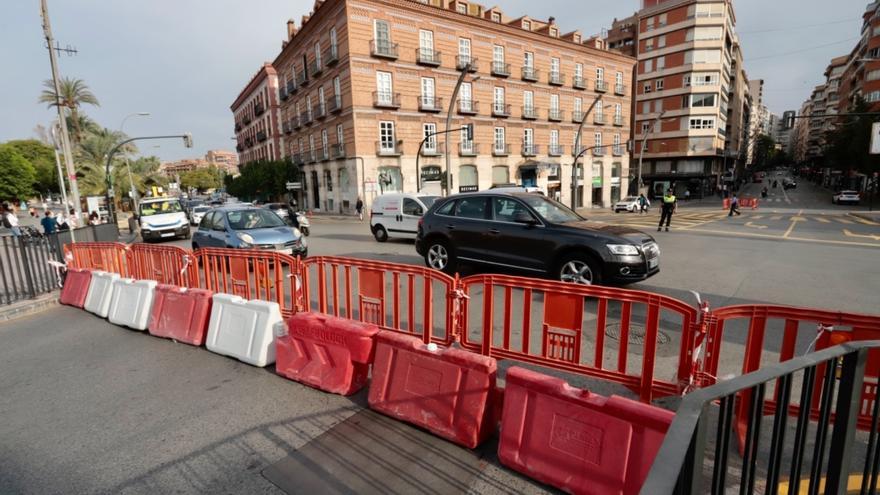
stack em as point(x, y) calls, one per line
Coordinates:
point(28, 307)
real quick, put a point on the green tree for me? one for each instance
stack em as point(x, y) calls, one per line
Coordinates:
point(16, 174)
point(265, 180)
point(73, 94)
point(42, 158)
point(850, 140)
point(201, 179)
point(145, 173)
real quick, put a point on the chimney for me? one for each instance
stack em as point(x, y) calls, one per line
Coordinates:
point(291, 29)
point(552, 19)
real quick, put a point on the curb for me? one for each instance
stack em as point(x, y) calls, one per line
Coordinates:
point(28, 307)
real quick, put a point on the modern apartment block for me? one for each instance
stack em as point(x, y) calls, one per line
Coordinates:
point(363, 82)
point(257, 129)
point(689, 78)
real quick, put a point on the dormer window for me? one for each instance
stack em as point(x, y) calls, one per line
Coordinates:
point(553, 32)
point(577, 38)
point(527, 25)
point(496, 17)
point(461, 8)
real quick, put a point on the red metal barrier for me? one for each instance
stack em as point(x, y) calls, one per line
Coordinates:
point(104, 256)
point(560, 338)
point(165, 264)
point(803, 330)
point(743, 203)
point(248, 273)
point(384, 294)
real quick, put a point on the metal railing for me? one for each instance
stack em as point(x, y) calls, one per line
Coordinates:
point(468, 148)
point(500, 149)
point(578, 82)
point(500, 109)
point(386, 99)
point(529, 74)
point(601, 86)
point(555, 114)
point(529, 112)
point(529, 149)
point(383, 48)
point(555, 150)
point(427, 56)
point(430, 104)
point(468, 62)
point(500, 69)
point(556, 78)
point(705, 420)
point(468, 106)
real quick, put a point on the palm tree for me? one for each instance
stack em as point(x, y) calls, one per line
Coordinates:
point(73, 93)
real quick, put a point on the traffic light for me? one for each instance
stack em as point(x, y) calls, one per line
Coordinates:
point(469, 128)
point(188, 140)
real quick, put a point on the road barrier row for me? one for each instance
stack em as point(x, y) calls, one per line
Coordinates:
point(743, 203)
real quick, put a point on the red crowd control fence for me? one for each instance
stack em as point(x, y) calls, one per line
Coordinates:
point(165, 264)
point(764, 333)
point(248, 273)
point(104, 256)
point(743, 203)
point(391, 296)
point(576, 328)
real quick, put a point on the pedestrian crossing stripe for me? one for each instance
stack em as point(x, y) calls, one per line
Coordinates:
point(822, 220)
point(843, 220)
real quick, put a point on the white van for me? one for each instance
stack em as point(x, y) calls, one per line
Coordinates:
point(162, 218)
point(398, 214)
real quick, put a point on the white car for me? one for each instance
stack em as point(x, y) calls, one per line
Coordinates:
point(629, 203)
point(197, 213)
point(846, 197)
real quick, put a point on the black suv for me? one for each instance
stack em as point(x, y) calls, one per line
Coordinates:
point(533, 233)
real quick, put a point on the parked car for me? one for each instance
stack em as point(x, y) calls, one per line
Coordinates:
point(247, 227)
point(629, 203)
point(534, 234)
point(846, 196)
point(162, 218)
point(278, 208)
point(197, 213)
point(398, 214)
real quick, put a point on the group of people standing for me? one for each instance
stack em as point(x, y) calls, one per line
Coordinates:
point(50, 222)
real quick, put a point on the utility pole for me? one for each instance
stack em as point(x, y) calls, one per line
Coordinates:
point(642, 149)
point(58, 164)
point(452, 101)
point(577, 151)
point(62, 120)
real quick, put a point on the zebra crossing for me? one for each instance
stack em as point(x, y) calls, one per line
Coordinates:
point(696, 218)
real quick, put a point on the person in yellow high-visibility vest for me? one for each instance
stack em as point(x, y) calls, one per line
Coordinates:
point(667, 209)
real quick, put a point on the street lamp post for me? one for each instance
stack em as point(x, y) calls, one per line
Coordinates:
point(577, 145)
point(132, 190)
point(464, 72)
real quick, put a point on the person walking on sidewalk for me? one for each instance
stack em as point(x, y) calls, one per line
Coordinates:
point(734, 206)
point(359, 206)
point(10, 220)
point(50, 225)
point(667, 209)
point(687, 194)
point(643, 204)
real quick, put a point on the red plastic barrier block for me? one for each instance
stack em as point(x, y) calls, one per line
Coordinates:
point(76, 287)
point(180, 313)
point(326, 352)
point(577, 441)
point(447, 391)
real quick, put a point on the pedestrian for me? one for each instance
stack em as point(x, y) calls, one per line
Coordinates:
point(94, 219)
point(643, 204)
point(734, 206)
point(72, 220)
point(50, 225)
point(667, 209)
point(10, 220)
point(359, 206)
point(687, 194)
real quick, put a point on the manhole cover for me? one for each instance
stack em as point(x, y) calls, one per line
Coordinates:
point(636, 334)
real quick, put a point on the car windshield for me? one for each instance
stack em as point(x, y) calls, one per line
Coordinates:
point(160, 207)
point(253, 219)
point(549, 209)
point(429, 200)
point(201, 209)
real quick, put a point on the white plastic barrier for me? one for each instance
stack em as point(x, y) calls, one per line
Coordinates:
point(131, 303)
point(243, 329)
point(100, 293)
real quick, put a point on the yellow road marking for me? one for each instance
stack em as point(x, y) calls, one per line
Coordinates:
point(794, 221)
point(777, 237)
point(847, 233)
point(750, 224)
point(863, 220)
point(823, 220)
point(776, 217)
point(757, 217)
point(843, 220)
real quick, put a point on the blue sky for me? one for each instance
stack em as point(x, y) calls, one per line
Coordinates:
point(184, 61)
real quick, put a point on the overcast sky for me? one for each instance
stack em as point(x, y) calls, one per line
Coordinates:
point(184, 61)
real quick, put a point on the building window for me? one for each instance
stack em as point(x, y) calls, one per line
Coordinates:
point(698, 100)
point(465, 101)
point(554, 138)
point(649, 44)
point(467, 145)
point(704, 33)
point(312, 146)
point(426, 45)
point(384, 88)
point(318, 54)
point(382, 34)
point(325, 143)
point(464, 50)
point(578, 105)
point(328, 180)
point(701, 123)
point(528, 137)
point(500, 142)
point(496, 17)
point(386, 136)
point(649, 24)
point(646, 126)
point(872, 96)
point(647, 87)
point(661, 20)
point(554, 32)
point(333, 42)
point(529, 60)
point(873, 75)
point(337, 89)
point(706, 10)
point(321, 99)
point(701, 79)
point(658, 85)
point(618, 111)
point(528, 100)
point(702, 57)
point(660, 63)
point(428, 92)
point(577, 38)
point(579, 71)
point(661, 41)
point(598, 140)
point(461, 8)
point(498, 100)
point(309, 106)
point(498, 55)
point(554, 103)
point(429, 134)
point(340, 134)
point(527, 25)
point(600, 75)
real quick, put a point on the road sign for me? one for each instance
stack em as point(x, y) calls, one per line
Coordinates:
point(294, 185)
point(875, 138)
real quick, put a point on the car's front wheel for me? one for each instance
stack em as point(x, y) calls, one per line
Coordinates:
point(578, 268)
point(440, 256)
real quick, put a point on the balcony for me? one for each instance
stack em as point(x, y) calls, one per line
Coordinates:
point(619, 89)
point(599, 151)
point(296, 122)
point(283, 93)
point(427, 56)
point(617, 150)
point(501, 149)
point(463, 62)
point(431, 148)
point(529, 149)
point(468, 148)
point(316, 68)
point(311, 157)
point(555, 115)
point(239, 148)
point(385, 148)
point(555, 150)
point(237, 126)
point(321, 111)
point(291, 87)
point(383, 49)
point(430, 104)
point(601, 86)
point(246, 119)
point(248, 143)
point(578, 82)
point(305, 118)
point(303, 78)
point(259, 109)
point(297, 159)
point(337, 151)
point(324, 154)
point(500, 69)
point(577, 116)
point(530, 74)
point(618, 120)
point(331, 56)
point(556, 78)
point(467, 106)
point(334, 103)
point(578, 150)
point(598, 118)
point(384, 99)
point(261, 136)
point(529, 112)
point(285, 128)
point(500, 110)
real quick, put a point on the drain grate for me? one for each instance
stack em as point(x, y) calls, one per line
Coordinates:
point(636, 334)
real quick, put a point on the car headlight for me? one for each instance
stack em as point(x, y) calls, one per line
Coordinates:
point(623, 249)
point(245, 237)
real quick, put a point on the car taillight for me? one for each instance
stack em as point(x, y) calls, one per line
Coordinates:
point(421, 221)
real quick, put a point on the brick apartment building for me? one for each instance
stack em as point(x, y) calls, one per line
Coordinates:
point(692, 99)
point(257, 129)
point(362, 82)
point(224, 160)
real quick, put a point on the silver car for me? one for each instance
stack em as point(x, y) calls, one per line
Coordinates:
point(249, 228)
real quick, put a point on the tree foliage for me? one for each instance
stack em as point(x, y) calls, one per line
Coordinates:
point(42, 159)
point(16, 174)
point(848, 144)
point(201, 179)
point(263, 180)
